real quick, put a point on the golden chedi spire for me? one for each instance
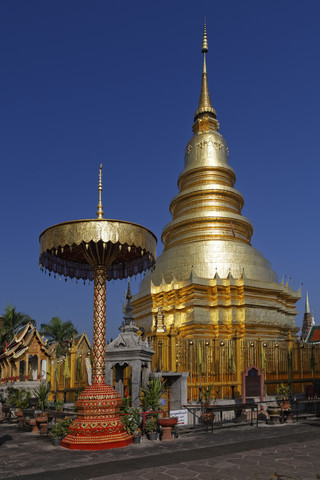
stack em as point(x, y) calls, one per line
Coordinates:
point(205, 118)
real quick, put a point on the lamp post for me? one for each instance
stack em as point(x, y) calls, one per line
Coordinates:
point(222, 366)
point(277, 359)
point(191, 372)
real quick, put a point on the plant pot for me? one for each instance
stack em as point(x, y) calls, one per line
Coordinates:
point(56, 442)
point(274, 413)
point(33, 424)
point(42, 422)
point(42, 418)
point(136, 439)
point(19, 415)
point(207, 418)
point(289, 417)
point(152, 436)
point(167, 424)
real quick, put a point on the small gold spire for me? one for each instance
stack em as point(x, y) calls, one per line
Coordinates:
point(100, 207)
point(205, 39)
point(205, 48)
point(205, 112)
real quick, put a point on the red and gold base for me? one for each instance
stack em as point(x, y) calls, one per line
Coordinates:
point(98, 425)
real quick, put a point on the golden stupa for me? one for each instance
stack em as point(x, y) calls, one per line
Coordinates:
point(210, 282)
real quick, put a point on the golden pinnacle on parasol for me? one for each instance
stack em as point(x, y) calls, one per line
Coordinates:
point(100, 207)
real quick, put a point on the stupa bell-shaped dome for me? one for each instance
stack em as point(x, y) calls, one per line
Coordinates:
point(208, 232)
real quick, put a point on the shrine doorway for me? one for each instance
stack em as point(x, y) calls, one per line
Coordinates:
point(22, 371)
point(33, 367)
point(252, 384)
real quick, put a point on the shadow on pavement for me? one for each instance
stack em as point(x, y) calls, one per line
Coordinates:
point(4, 439)
point(313, 424)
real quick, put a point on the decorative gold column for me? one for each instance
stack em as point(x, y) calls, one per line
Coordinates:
point(99, 324)
point(238, 361)
point(73, 366)
point(173, 352)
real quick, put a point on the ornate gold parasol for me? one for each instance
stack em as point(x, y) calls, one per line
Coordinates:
point(98, 250)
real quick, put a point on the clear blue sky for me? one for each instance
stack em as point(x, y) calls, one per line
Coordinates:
point(84, 83)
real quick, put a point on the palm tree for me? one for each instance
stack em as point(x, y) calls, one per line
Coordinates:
point(60, 333)
point(11, 322)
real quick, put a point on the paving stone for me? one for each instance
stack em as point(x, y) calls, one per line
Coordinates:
point(107, 477)
point(180, 473)
point(224, 455)
point(197, 467)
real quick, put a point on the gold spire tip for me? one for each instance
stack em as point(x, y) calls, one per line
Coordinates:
point(205, 39)
point(100, 207)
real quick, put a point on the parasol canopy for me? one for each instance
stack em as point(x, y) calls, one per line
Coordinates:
point(73, 248)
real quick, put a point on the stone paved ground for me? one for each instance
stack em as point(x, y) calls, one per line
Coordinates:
point(265, 453)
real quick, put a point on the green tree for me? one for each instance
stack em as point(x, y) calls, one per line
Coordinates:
point(59, 332)
point(11, 322)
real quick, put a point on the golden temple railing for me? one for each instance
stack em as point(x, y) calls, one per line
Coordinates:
point(221, 362)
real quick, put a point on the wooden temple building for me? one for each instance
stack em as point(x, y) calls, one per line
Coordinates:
point(28, 360)
point(25, 358)
point(70, 374)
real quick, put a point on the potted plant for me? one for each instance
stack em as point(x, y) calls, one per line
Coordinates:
point(283, 393)
point(42, 396)
point(58, 405)
point(151, 401)
point(59, 431)
point(206, 394)
point(42, 403)
point(207, 414)
point(151, 428)
point(137, 435)
point(131, 420)
point(152, 393)
point(9, 405)
point(21, 399)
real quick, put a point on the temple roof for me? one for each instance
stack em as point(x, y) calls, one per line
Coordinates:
point(314, 335)
point(22, 340)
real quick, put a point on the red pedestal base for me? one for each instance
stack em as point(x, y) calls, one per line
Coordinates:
point(98, 425)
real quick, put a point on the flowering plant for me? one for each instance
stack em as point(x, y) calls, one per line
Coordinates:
point(131, 420)
point(151, 425)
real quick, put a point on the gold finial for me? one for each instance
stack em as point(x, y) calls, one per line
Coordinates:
point(100, 208)
point(205, 112)
point(205, 40)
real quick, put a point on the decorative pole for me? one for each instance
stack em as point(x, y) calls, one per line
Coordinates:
point(99, 324)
